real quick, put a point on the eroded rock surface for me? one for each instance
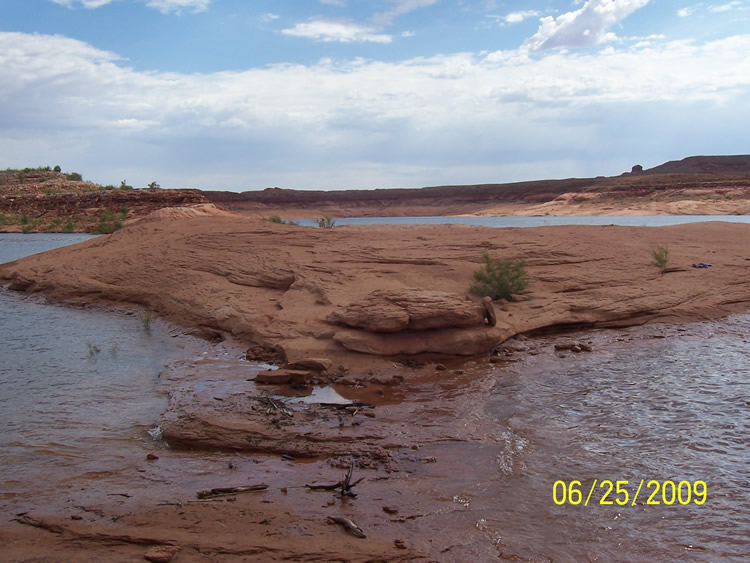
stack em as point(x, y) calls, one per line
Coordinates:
point(410, 309)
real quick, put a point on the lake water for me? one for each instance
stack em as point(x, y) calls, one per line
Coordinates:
point(79, 393)
point(539, 221)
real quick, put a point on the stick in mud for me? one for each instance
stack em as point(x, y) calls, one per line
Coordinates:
point(345, 485)
point(221, 491)
point(348, 525)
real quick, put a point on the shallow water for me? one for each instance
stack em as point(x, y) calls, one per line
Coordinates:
point(674, 409)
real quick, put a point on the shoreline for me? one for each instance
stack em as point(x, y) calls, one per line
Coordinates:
point(272, 288)
point(404, 499)
point(292, 293)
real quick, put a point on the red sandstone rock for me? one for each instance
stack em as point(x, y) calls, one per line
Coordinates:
point(413, 309)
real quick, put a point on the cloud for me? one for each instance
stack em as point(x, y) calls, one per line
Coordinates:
point(719, 8)
point(518, 17)
point(402, 7)
point(164, 6)
point(336, 30)
point(583, 27)
point(457, 118)
point(686, 12)
point(176, 6)
point(91, 4)
point(337, 3)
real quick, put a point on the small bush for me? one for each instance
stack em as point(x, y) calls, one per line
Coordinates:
point(326, 222)
point(660, 257)
point(153, 186)
point(69, 227)
point(500, 279)
point(74, 177)
point(146, 320)
point(125, 186)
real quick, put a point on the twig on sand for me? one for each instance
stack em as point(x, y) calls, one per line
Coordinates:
point(346, 485)
point(271, 403)
point(221, 491)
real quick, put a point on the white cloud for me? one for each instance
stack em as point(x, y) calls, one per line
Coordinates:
point(402, 7)
point(518, 17)
point(83, 3)
point(336, 30)
point(686, 12)
point(719, 8)
point(176, 6)
point(164, 6)
point(585, 26)
point(358, 123)
point(337, 3)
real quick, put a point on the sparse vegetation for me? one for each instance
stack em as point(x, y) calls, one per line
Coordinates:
point(124, 186)
point(109, 222)
point(660, 257)
point(146, 320)
point(153, 186)
point(326, 222)
point(500, 279)
point(74, 177)
point(279, 221)
point(93, 350)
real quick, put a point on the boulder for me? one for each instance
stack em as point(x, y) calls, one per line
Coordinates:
point(282, 376)
point(386, 311)
point(314, 364)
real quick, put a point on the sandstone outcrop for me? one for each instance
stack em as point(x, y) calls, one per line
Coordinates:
point(410, 309)
point(456, 342)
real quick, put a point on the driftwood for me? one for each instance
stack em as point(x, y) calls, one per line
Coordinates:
point(348, 525)
point(272, 403)
point(222, 491)
point(346, 485)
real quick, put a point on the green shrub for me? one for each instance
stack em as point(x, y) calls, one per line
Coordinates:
point(125, 186)
point(660, 257)
point(146, 320)
point(279, 221)
point(326, 222)
point(69, 227)
point(74, 177)
point(500, 279)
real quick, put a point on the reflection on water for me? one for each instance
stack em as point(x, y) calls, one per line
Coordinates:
point(674, 409)
point(70, 380)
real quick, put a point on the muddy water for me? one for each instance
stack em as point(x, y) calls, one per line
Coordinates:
point(674, 409)
point(80, 390)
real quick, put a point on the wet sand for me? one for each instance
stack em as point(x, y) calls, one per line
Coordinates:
point(420, 438)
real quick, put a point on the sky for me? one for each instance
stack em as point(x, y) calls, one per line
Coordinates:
point(347, 94)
